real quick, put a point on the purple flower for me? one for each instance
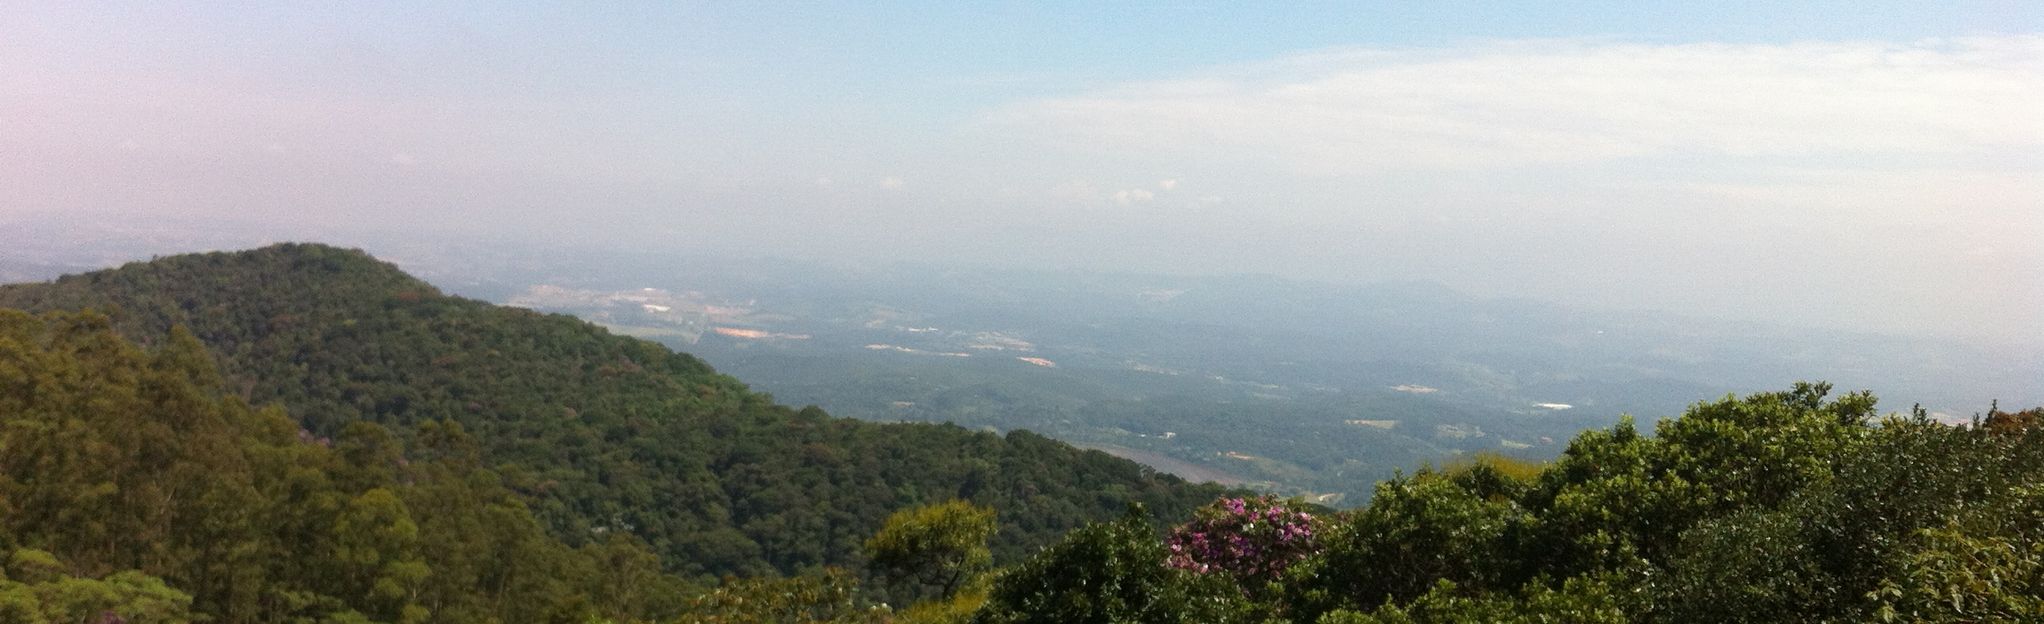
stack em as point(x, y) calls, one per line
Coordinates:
point(1248, 538)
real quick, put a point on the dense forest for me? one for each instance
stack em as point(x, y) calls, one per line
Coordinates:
point(596, 435)
point(304, 434)
point(1777, 507)
point(131, 483)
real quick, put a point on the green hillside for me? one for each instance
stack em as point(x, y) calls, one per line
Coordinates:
point(133, 484)
point(598, 434)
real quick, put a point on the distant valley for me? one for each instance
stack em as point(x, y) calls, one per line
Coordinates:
point(1295, 387)
point(1300, 388)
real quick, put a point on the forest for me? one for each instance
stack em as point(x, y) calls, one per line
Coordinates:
point(304, 434)
point(596, 436)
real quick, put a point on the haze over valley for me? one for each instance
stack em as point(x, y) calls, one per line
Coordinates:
point(1289, 386)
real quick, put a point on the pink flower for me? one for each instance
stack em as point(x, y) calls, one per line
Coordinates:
point(1257, 537)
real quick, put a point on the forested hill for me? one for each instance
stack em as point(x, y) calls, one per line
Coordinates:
point(600, 433)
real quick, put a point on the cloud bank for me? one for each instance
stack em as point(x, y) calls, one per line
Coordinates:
point(1508, 104)
point(1861, 184)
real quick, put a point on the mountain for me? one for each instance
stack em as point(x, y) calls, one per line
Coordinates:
point(135, 487)
point(600, 434)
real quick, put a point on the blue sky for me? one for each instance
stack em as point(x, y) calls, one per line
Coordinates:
point(1856, 164)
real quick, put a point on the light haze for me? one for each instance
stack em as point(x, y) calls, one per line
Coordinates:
point(1853, 165)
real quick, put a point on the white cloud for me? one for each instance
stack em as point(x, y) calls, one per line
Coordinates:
point(1725, 175)
point(1167, 184)
point(1128, 197)
point(1567, 103)
point(891, 183)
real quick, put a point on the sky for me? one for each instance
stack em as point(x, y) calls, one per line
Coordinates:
point(1859, 165)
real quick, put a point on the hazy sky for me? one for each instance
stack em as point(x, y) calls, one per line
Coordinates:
point(1854, 164)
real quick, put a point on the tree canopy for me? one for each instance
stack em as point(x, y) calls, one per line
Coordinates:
point(1780, 506)
point(596, 434)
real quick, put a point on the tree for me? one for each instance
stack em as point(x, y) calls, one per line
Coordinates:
point(940, 545)
point(831, 597)
point(377, 544)
point(1957, 577)
point(35, 588)
point(1109, 572)
point(1417, 531)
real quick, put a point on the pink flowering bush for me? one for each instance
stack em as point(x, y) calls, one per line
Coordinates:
point(1254, 539)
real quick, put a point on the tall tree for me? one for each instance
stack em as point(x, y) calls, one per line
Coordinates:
point(940, 545)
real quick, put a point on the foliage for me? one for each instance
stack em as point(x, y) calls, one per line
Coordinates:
point(1501, 471)
point(1416, 532)
point(2013, 423)
point(1578, 601)
point(1957, 577)
point(941, 545)
point(1109, 572)
point(37, 588)
point(1774, 507)
point(148, 483)
point(958, 609)
point(830, 597)
point(591, 434)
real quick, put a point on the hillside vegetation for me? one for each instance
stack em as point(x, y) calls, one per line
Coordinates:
point(599, 435)
point(131, 484)
point(303, 434)
point(1778, 507)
